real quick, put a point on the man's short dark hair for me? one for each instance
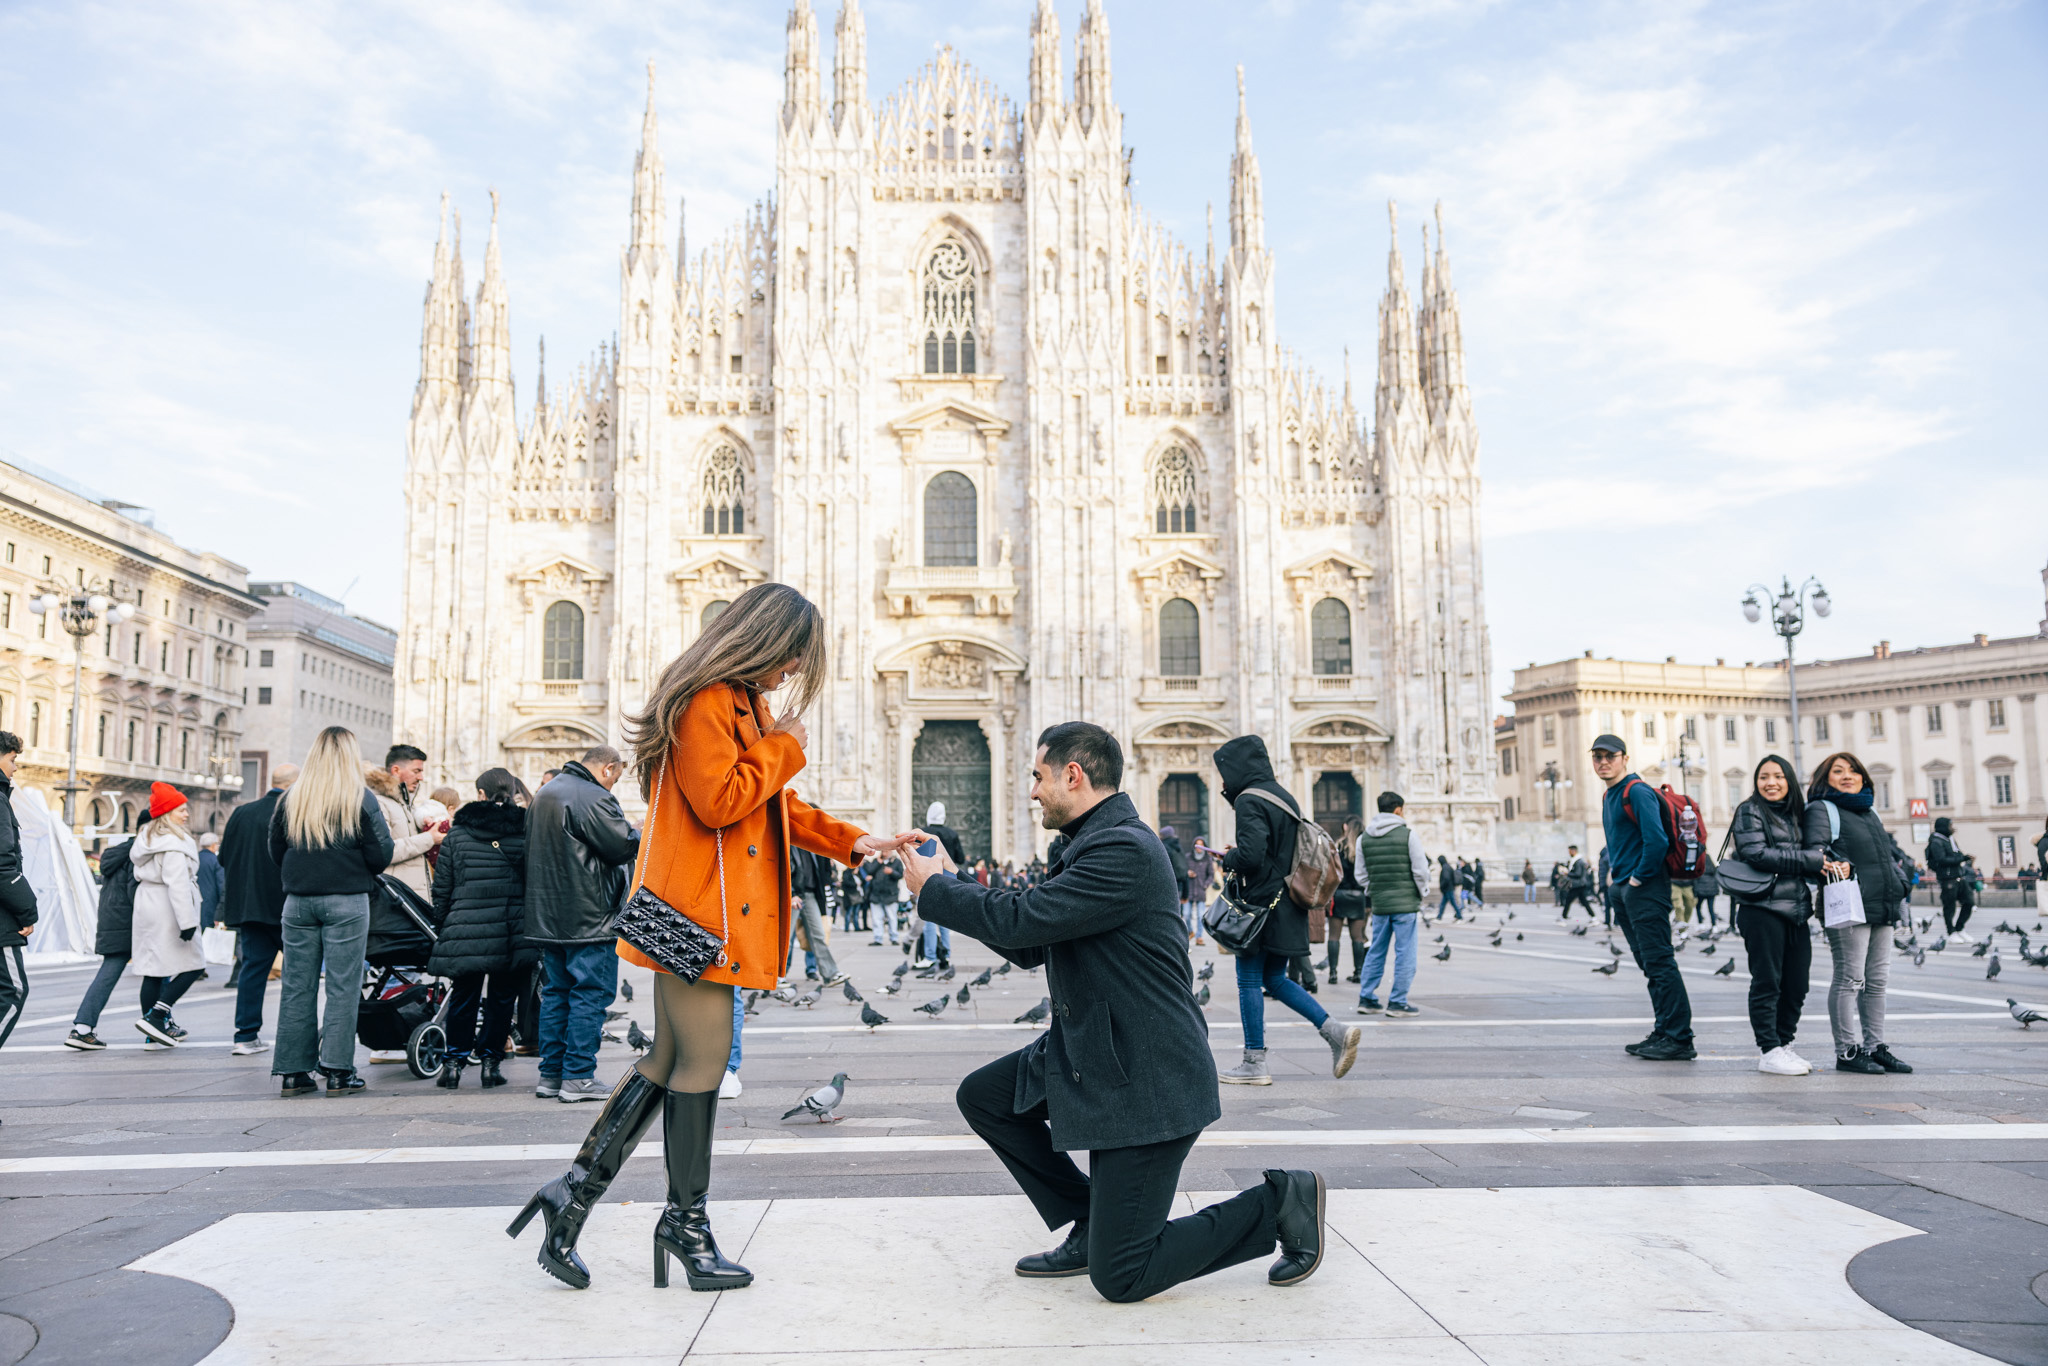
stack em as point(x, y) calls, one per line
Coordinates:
point(10, 743)
point(600, 754)
point(403, 754)
point(1571, 848)
point(1090, 746)
point(1391, 801)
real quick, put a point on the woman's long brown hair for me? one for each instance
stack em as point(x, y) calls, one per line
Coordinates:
point(766, 626)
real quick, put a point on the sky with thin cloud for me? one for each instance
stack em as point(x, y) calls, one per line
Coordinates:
point(1748, 289)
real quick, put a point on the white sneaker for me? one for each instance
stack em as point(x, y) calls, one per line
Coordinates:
point(1778, 1065)
point(1785, 1051)
point(243, 1050)
point(729, 1088)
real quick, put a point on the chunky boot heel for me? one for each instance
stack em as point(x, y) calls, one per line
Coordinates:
point(688, 1121)
point(565, 1202)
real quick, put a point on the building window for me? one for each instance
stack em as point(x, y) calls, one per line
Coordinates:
point(1550, 730)
point(1938, 793)
point(129, 753)
point(1649, 727)
point(1820, 730)
point(949, 520)
point(2008, 851)
point(1173, 493)
point(1735, 794)
point(191, 663)
point(1994, 713)
point(1507, 763)
point(7, 610)
point(725, 494)
point(1330, 628)
point(1770, 732)
point(2001, 789)
point(1692, 728)
point(1507, 808)
point(100, 743)
point(1884, 794)
point(1335, 799)
point(1184, 805)
point(263, 697)
point(713, 610)
point(1877, 725)
point(1934, 721)
point(949, 317)
point(10, 552)
point(35, 725)
point(184, 751)
point(1180, 639)
point(1728, 730)
point(265, 658)
point(561, 642)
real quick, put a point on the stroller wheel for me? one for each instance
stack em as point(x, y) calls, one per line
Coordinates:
point(424, 1050)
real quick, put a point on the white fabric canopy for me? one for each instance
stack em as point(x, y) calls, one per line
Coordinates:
point(67, 898)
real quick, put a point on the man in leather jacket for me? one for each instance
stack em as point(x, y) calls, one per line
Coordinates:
point(579, 860)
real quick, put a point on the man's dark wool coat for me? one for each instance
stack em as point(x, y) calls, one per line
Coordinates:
point(1126, 1060)
point(255, 888)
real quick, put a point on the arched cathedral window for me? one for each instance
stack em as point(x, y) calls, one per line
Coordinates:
point(713, 610)
point(1173, 493)
point(950, 533)
point(1180, 639)
point(1330, 634)
point(561, 642)
point(949, 318)
point(725, 494)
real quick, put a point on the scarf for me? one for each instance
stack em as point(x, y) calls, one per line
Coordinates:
point(1851, 801)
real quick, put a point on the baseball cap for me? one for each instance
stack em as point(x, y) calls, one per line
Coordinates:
point(1613, 744)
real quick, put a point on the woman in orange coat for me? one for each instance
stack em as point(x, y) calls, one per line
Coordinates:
point(713, 763)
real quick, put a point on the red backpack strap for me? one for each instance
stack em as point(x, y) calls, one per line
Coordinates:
point(1627, 809)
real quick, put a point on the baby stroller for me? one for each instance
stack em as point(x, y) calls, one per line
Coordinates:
point(402, 1006)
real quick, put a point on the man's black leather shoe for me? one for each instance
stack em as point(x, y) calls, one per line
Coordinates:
point(1299, 1226)
point(1068, 1259)
point(1639, 1045)
point(1667, 1050)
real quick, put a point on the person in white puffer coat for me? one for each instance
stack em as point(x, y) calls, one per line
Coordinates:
point(166, 933)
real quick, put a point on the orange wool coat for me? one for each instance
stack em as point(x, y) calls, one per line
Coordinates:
point(726, 772)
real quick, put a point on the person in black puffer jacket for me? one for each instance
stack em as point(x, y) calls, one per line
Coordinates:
point(1255, 877)
point(1839, 820)
point(1766, 833)
point(480, 918)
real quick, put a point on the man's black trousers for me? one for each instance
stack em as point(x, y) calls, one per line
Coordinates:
point(1646, 923)
point(1133, 1249)
point(1958, 899)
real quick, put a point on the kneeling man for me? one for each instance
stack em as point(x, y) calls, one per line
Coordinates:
point(1124, 1071)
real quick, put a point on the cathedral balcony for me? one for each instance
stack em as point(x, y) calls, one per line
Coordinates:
point(1175, 395)
point(988, 590)
point(1329, 502)
point(1310, 689)
point(574, 695)
point(1184, 691)
point(725, 395)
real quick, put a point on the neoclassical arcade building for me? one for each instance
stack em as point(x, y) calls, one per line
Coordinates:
point(1035, 459)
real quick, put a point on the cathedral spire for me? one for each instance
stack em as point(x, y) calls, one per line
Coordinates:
point(439, 341)
point(647, 215)
point(1045, 64)
point(462, 338)
point(800, 69)
point(1209, 255)
point(1443, 357)
point(1091, 66)
point(493, 352)
point(849, 64)
point(1399, 381)
point(1247, 201)
point(540, 383)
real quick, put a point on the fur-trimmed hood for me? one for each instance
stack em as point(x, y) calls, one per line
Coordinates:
point(380, 781)
point(490, 820)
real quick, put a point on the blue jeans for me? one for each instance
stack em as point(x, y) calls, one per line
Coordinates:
point(1395, 933)
point(577, 985)
point(935, 935)
point(260, 945)
point(323, 935)
point(95, 999)
point(1258, 973)
point(1450, 899)
point(739, 1018)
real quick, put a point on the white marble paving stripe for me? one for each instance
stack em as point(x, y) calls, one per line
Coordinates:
point(1738, 975)
point(937, 1143)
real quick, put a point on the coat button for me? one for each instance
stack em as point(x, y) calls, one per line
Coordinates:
point(751, 851)
point(746, 906)
point(1077, 1076)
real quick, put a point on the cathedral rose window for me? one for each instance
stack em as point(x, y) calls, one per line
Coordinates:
point(1173, 493)
point(949, 319)
point(725, 493)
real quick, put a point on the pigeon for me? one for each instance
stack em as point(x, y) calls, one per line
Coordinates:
point(1208, 971)
point(947, 975)
point(1608, 968)
point(2026, 1015)
point(1938, 945)
point(933, 1008)
point(1495, 941)
point(1710, 949)
point(2003, 928)
point(1518, 936)
point(635, 1039)
point(808, 999)
point(987, 975)
point(1444, 956)
point(1982, 948)
point(1580, 930)
point(901, 968)
point(850, 993)
point(786, 995)
point(1511, 916)
point(1439, 939)
point(823, 1101)
point(1612, 949)
point(871, 1017)
point(614, 1013)
point(965, 994)
point(1202, 996)
point(1993, 970)
point(625, 990)
point(892, 988)
point(753, 1003)
point(1037, 1014)
point(1004, 970)
point(1919, 958)
point(1727, 969)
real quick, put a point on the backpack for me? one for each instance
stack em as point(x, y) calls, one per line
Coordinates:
point(1317, 869)
point(1684, 829)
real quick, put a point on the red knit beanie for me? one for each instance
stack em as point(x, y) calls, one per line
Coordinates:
point(164, 799)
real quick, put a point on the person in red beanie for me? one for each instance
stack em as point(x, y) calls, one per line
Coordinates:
point(166, 932)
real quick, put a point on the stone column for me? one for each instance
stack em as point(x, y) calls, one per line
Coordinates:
point(2030, 730)
point(1966, 736)
point(1908, 771)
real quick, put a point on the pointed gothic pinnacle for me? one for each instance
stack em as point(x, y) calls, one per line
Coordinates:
point(494, 211)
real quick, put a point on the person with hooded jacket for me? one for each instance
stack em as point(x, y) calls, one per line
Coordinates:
point(1767, 832)
point(480, 924)
point(1840, 821)
point(1255, 877)
point(1178, 858)
point(1958, 893)
point(113, 941)
point(17, 899)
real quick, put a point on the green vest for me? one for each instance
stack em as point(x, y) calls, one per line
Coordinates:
point(1389, 876)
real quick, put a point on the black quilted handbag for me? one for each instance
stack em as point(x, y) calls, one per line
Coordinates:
point(671, 940)
point(1234, 925)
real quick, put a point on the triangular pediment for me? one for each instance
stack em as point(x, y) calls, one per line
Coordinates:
point(950, 412)
point(561, 568)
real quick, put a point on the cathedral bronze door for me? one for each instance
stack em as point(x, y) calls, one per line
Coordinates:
point(950, 764)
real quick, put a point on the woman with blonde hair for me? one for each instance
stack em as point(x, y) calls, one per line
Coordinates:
point(329, 841)
point(713, 764)
point(165, 861)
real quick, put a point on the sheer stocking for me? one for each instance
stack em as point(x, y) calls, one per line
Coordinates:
point(692, 1034)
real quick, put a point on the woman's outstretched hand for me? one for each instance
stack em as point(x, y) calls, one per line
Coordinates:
point(883, 844)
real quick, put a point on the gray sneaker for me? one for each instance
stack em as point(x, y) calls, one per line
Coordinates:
point(1251, 1072)
point(1343, 1040)
point(549, 1087)
point(583, 1088)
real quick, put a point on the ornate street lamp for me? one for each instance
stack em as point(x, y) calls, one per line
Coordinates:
point(81, 612)
point(1788, 618)
point(1552, 779)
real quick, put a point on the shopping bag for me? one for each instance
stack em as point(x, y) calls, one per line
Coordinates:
point(217, 944)
point(1841, 904)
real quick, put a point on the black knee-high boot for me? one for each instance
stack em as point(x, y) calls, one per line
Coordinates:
point(1357, 960)
point(689, 1118)
point(566, 1201)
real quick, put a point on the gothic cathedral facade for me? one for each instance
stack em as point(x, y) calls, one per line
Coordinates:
point(1035, 460)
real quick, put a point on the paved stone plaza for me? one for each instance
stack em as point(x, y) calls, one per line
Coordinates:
point(1507, 1187)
